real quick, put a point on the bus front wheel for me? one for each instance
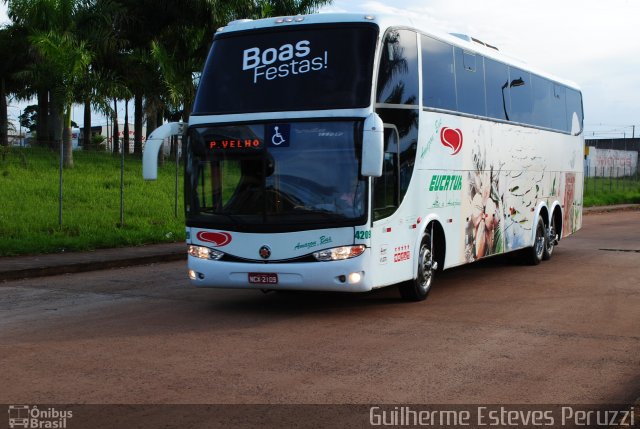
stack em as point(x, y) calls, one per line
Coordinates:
point(418, 288)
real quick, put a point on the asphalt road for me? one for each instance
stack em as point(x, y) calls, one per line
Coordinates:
point(566, 331)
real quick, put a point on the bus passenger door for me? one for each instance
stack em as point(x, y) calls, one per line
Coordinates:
point(389, 244)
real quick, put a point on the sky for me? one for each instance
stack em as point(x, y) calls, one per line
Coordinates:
point(590, 42)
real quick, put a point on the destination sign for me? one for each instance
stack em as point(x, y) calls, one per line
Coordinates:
point(235, 144)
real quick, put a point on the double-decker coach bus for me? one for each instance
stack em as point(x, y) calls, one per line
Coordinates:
point(344, 152)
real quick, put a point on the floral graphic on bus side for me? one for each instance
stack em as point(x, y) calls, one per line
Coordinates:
point(484, 230)
point(569, 200)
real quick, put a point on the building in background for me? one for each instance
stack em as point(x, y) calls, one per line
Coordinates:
point(107, 132)
point(611, 157)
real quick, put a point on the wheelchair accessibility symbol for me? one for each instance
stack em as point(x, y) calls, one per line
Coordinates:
point(279, 135)
point(277, 138)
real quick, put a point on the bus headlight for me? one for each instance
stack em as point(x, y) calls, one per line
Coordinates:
point(202, 252)
point(339, 253)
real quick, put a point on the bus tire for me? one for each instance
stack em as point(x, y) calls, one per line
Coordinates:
point(551, 240)
point(418, 288)
point(535, 253)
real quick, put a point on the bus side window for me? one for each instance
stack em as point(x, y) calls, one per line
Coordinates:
point(398, 74)
point(438, 82)
point(543, 99)
point(574, 105)
point(386, 187)
point(559, 108)
point(470, 82)
point(520, 90)
point(497, 89)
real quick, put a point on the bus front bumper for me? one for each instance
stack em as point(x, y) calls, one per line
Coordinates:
point(348, 275)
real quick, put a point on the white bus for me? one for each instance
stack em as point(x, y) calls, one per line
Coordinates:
point(343, 152)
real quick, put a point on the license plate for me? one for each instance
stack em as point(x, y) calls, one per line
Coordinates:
point(263, 278)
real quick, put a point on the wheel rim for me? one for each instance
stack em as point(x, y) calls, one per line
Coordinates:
point(540, 241)
point(425, 269)
point(552, 237)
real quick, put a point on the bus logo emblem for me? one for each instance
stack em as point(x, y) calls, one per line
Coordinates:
point(451, 138)
point(264, 252)
point(219, 239)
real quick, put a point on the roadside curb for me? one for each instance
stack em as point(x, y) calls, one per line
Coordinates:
point(24, 267)
point(609, 209)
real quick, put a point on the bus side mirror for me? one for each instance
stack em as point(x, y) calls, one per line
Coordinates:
point(372, 146)
point(152, 147)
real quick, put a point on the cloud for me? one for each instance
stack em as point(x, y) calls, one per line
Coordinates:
point(4, 19)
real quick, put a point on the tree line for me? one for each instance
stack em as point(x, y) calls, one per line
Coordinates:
point(99, 52)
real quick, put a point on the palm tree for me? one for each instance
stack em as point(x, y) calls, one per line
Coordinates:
point(51, 25)
point(5, 73)
point(177, 69)
point(68, 58)
point(99, 27)
point(13, 51)
point(29, 16)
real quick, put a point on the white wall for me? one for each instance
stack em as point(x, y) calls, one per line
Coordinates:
point(611, 162)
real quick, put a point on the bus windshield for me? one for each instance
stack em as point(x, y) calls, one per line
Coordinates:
point(288, 69)
point(275, 176)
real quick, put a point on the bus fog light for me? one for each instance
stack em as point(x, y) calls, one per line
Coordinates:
point(355, 278)
point(194, 275)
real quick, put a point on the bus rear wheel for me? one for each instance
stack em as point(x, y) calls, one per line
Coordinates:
point(418, 288)
point(536, 252)
point(552, 239)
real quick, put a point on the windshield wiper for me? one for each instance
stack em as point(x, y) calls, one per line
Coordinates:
point(230, 217)
point(325, 213)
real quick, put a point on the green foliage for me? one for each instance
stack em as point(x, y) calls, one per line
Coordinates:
point(91, 203)
point(98, 142)
point(29, 117)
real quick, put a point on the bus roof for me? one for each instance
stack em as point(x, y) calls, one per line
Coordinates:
point(384, 21)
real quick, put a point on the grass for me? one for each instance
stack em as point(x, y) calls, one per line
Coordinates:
point(29, 195)
point(603, 191)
